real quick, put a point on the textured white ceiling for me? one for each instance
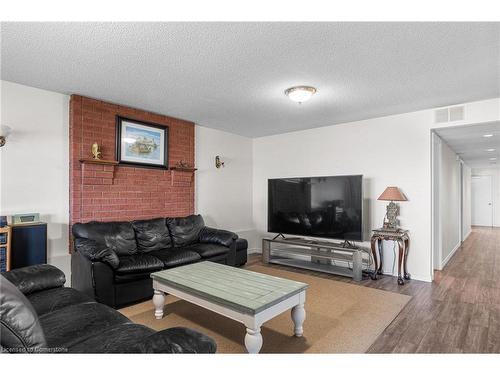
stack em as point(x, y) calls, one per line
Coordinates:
point(231, 76)
point(469, 143)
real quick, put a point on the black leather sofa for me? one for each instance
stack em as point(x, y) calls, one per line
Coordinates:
point(112, 261)
point(39, 315)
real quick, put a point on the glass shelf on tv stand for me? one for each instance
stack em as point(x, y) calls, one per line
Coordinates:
point(322, 256)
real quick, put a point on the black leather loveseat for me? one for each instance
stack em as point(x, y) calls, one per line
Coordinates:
point(39, 315)
point(112, 261)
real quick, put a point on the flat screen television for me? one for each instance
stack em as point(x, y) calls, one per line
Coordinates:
point(329, 207)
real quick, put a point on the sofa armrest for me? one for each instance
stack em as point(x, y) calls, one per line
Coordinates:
point(217, 236)
point(36, 278)
point(176, 340)
point(97, 252)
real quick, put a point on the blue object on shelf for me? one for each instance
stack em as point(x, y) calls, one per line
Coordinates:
point(28, 245)
point(3, 259)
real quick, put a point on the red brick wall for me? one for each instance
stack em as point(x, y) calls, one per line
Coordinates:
point(108, 193)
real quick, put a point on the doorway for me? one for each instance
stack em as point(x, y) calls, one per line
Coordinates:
point(460, 197)
point(482, 204)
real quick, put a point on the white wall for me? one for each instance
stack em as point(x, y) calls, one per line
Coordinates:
point(393, 150)
point(449, 204)
point(466, 203)
point(224, 195)
point(34, 161)
point(495, 178)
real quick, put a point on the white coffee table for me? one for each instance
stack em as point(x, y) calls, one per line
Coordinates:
point(248, 297)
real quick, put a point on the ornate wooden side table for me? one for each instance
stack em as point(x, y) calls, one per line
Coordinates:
point(402, 238)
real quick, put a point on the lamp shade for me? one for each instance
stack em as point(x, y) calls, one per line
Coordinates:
point(392, 193)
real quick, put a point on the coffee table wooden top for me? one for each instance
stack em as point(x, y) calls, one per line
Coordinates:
point(242, 290)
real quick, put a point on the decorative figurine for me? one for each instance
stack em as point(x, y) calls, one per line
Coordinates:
point(96, 151)
point(183, 164)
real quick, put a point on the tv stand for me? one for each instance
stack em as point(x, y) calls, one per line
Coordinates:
point(322, 256)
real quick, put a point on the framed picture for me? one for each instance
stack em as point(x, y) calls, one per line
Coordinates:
point(141, 143)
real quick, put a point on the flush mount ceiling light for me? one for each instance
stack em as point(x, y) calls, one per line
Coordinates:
point(490, 149)
point(493, 159)
point(487, 135)
point(300, 94)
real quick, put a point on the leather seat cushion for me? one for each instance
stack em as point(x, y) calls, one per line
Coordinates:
point(117, 339)
point(185, 230)
point(134, 338)
point(208, 250)
point(138, 263)
point(176, 257)
point(55, 299)
point(152, 234)
point(72, 324)
point(119, 236)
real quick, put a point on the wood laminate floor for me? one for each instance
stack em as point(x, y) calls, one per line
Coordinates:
point(457, 313)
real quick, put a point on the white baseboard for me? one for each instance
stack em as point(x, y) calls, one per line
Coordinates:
point(468, 234)
point(254, 251)
point(447, 259)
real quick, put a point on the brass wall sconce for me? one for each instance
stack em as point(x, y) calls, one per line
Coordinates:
point(4, 132)
point(218, 162)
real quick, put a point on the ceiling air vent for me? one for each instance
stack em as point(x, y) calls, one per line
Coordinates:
point(449, 114)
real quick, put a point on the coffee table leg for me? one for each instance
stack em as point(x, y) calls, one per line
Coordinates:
point(159, 302)
point(253, 340)
point(298, 317)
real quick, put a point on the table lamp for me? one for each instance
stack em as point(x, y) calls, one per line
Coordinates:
point(392, 193)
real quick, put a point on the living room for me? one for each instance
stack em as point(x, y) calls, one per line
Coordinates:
point(250, 187)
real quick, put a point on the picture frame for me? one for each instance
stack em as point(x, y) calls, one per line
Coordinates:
point(140, 143)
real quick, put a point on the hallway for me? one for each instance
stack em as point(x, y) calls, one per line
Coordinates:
point(460, 311)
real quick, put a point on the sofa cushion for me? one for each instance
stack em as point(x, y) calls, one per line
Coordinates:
point(96, 252)
point(51, 300)
point(138, 263)
point(208, 250)
point(152, 234)
point(67, 326)
point(20, 328)
point(176, 257)
point(185, 230)
point(118, 236)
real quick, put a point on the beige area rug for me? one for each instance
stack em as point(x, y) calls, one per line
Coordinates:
point(340, 318)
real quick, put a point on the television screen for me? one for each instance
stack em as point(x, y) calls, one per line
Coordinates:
point(329, 207)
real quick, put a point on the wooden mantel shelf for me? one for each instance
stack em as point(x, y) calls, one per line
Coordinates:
point(99, 161)
point(182, 169)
